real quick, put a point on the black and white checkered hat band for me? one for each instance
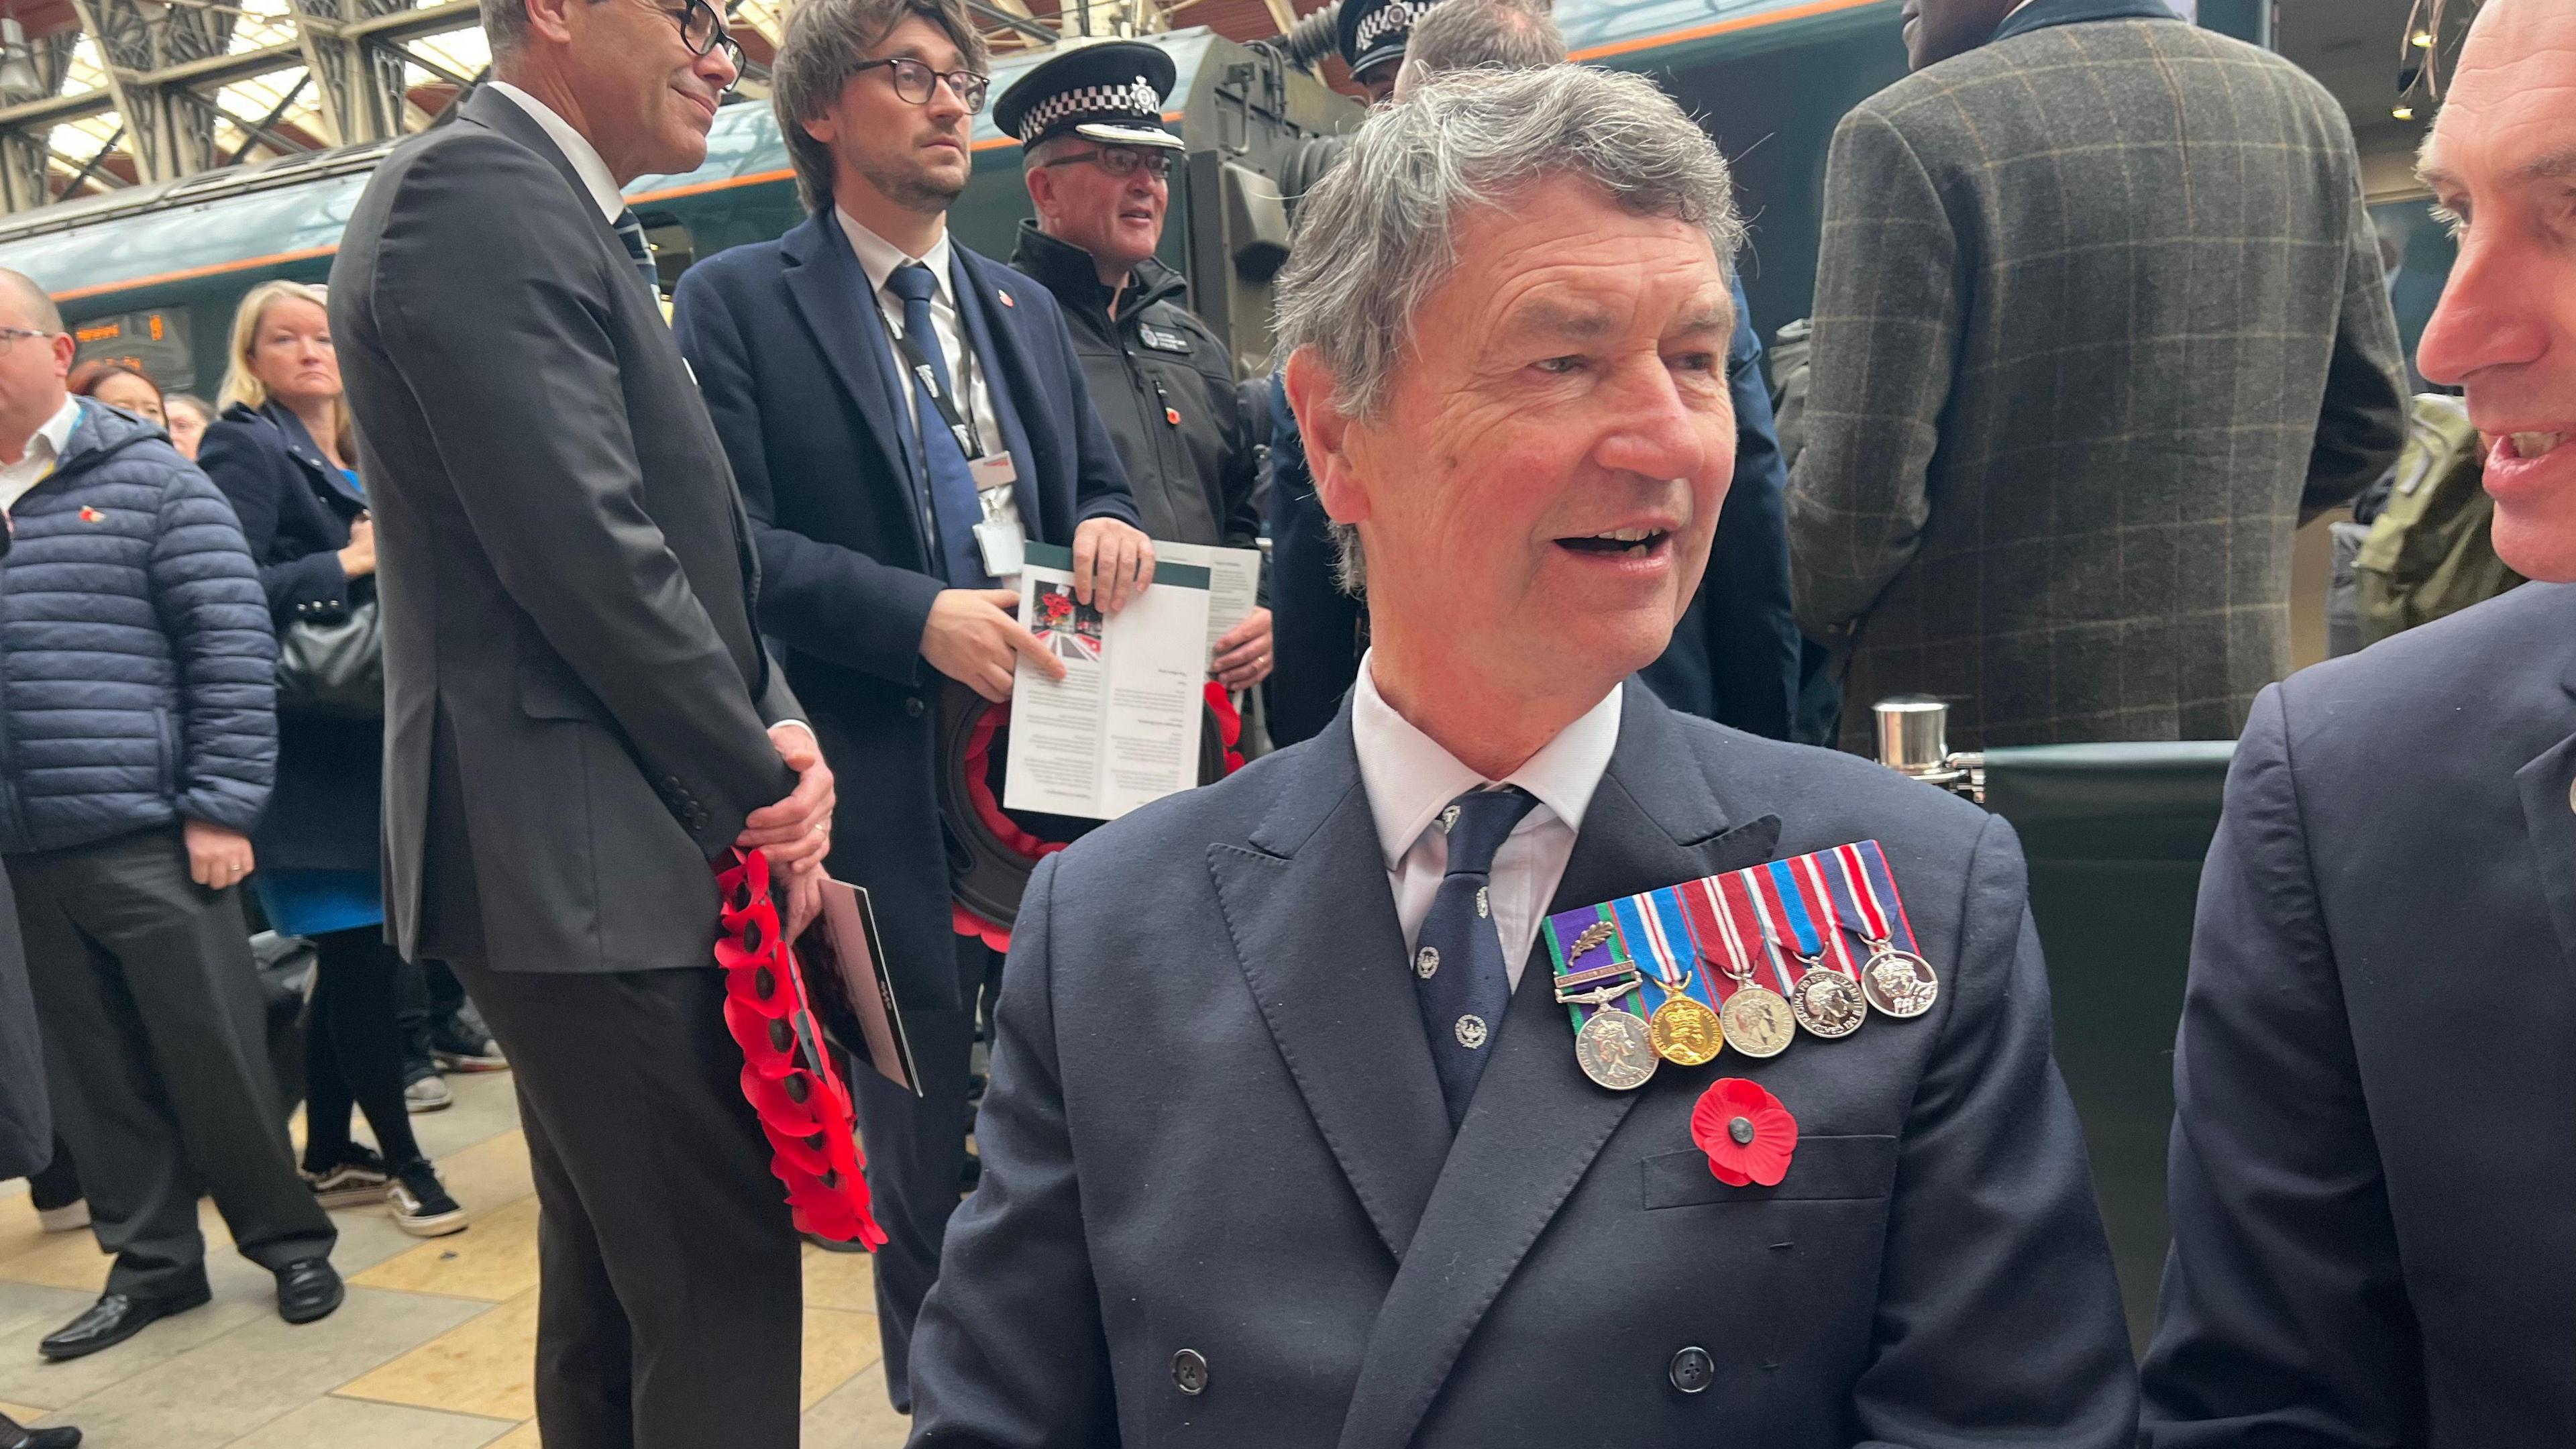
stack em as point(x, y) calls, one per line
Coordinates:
point(1136, 102)
point(1397, 15)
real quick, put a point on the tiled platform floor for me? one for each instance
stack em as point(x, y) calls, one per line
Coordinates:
point(432, 1351)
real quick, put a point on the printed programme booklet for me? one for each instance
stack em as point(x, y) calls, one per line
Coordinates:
point(1121, 729)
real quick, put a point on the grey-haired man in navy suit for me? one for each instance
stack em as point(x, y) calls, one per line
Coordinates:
point(1287, 1144)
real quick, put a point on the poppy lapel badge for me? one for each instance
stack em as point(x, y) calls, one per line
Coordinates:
point(1746, 1133)
point(90, 515)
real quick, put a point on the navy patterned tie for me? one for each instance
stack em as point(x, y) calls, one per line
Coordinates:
point(952, 484)
point(631, 232)
point(1459, 972)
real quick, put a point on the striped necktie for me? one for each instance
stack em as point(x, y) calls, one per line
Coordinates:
point(631, 232)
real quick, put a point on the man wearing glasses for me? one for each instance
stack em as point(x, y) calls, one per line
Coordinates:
point(904, 416)
point(1098, 161)
point(580, 717)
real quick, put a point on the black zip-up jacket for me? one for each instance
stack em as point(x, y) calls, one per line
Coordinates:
point(1164, 385)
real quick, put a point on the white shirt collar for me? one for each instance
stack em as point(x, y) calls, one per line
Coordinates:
point(879, 257)
point(1410, 778)
point(56, 434)
point(603, 189)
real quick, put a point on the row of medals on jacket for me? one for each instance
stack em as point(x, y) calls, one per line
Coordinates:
point(1619, 1049)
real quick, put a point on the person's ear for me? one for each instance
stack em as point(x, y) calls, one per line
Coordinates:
point(1329, 433)
point(1041, 192)
point(64, 350)
point(552, 19)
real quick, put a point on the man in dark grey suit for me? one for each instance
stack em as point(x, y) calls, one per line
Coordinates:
point(2099, 322)
point(2375, 1103)
point(1253, 1177)
point(580, 716)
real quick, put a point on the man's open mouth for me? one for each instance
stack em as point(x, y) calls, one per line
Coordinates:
point(1633, 542)
point(2528, 446)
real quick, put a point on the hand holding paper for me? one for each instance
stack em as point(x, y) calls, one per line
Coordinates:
point(971, 637)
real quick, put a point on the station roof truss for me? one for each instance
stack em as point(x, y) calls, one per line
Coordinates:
point(104, 95)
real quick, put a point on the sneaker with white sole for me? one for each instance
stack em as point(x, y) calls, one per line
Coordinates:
point(429, 1094)
point(359, 1181)
point(420, 1204)
point(64, 1219)
point(459, 1042)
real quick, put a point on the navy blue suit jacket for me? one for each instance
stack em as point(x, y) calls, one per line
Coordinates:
point(1733, 658)
point(794, 361)
point(1213, 1125)
point(2375, 1085)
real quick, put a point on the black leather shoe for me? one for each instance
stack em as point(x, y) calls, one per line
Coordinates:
point(308, 1289)
point(112, 1320)
point(14, 1435)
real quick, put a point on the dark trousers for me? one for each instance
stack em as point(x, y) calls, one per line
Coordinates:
point(917, 1156)
point(671, 1303)
point(423, 991)
point(58, 1186)
point(156, 1059)
point(353, 1051)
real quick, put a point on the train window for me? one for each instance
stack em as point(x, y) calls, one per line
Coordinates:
point(154, 341)
point(673, 248)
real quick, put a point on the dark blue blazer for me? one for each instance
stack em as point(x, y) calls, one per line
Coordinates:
point(2375, 1084)
point(1733, 657)
point(327, 812)
point(1213, 1125)
point(793, 358)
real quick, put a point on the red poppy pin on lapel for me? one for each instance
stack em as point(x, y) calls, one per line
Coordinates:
point(1746, 1133)
point(90, 515)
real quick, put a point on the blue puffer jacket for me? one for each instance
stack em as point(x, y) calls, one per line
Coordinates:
point(137, 670)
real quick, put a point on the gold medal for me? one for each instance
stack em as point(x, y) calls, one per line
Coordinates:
point(1757, 1022)
point(1615, 1049)
point(1828, 1003)
point(1686, 1033)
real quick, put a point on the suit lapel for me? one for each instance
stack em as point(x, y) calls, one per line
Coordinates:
point(1005, 365)
point(1537, 1124)
point(831, 289)
point(1315, 931)
point(2548, 786)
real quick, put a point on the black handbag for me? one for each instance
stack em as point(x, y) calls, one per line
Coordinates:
point(333, 668)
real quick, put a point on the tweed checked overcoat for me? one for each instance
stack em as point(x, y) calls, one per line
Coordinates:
point(2099, 321)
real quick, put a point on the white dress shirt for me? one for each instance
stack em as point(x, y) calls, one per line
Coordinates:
point(43, 451)
point(1410, 779)
point(878, 258)
point(576, 147)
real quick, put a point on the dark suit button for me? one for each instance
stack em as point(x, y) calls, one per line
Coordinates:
point(1189, 1371)
point(1693, 1370)
point(913, 708)
point(671, 782)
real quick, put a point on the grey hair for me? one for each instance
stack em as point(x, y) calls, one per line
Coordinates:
point(1467, 34)
point(1033, 157)
point(824, 44)
point(505, 26)
point(1377, 236)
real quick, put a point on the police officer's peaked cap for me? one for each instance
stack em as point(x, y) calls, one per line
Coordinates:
point(1111, 92)
point(1372, 33)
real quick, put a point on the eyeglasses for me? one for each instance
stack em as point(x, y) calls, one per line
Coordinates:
point(9, 337)
point(1120, 161)
point(702, 29)
point(913, 81)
